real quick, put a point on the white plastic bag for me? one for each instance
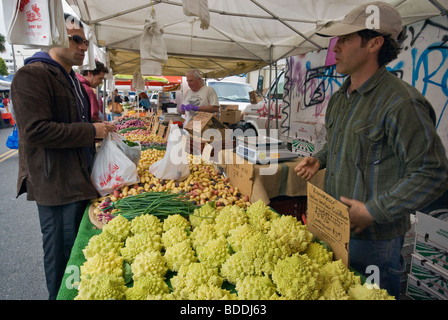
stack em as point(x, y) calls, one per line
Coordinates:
point(112, 169)
point(36, 23)
point(174, 165)
point(132, 152)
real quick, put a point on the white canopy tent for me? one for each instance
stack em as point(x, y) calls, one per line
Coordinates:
point(243, 35)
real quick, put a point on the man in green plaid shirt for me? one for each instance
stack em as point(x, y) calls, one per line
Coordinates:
point(383, 157)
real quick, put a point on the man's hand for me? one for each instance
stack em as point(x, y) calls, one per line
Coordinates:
point(189, 107)
point(102, 129)
point(360, 217)
point(307, 168)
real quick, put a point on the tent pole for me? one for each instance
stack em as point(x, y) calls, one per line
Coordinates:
point(268, 133)
point(104, 100)
point(276, 99)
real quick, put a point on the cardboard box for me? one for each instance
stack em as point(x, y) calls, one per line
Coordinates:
point(225, 107)
point(307, 139)
point(417, 290)
point(265, 181)
point(431, 240)
point(434, 277)
point(230, 116)
point(203, 121)
point(254, 98)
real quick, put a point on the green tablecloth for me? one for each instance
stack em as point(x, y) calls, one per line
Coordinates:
point(77, 259)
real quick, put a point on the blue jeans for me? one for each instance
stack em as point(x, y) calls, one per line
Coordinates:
point(380, 261)
point(59, 226)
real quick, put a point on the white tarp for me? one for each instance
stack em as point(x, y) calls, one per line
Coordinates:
point(248, 32)
point(5, 85)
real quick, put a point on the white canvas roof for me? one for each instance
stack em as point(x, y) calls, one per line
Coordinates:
point(243, 35)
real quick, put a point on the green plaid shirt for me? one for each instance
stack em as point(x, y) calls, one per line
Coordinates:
point(382, 149)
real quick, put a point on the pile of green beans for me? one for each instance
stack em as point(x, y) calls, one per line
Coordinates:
point(156, 203)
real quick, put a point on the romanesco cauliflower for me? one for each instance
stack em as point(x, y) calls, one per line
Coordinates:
point(146, 223)
point(176, 220)
point(368, 292)
point(140, 242)
point(229, 218)
point(337, 271)
point(333, 291)
point(202, 234)
point(149, 262)
point(214, 253)
point(204, 214)
point(297, 277)
point(174, 235)
point(109, 263)
point(190, 277)
point(290, 235)
point(165, 296)
point(211, 292)
point(262, 251)
point(256, 288)
point(318, 253)
point(179, 254)
point(240, 234)
point(119, 227)
point(149, 284)
point(237, 267)
point(260, 215)
point(101, 286)
point(102, 243)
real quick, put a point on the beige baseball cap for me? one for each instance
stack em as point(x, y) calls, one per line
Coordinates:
point(378, 16)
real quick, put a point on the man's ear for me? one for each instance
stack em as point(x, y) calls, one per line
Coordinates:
point(375, 44)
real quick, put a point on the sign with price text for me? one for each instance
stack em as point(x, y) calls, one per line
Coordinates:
point(328, 220)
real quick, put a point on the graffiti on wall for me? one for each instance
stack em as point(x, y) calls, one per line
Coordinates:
point(423, 63)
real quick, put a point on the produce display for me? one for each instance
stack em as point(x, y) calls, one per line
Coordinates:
point(201, 239)
point(233, 253)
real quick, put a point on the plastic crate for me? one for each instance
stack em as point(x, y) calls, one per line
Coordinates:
point(293, 206)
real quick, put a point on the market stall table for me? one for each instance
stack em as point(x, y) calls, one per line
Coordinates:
point(267, 181)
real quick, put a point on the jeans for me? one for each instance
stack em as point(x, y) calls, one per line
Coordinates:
point(59, 226)
point(380, 261)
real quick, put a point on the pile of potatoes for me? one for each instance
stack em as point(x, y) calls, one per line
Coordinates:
point(204, 183)
point(143, 136)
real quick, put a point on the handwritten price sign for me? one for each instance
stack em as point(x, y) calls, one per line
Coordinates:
point(328, 220)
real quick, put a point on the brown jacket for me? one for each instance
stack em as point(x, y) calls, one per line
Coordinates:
point(52, 166)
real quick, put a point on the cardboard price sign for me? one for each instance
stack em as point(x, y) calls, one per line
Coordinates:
point(329, 221)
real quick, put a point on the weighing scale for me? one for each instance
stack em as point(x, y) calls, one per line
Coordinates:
point(263, 150)
point(167, 117)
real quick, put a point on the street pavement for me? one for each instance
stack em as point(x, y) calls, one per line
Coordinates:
point(21, 256)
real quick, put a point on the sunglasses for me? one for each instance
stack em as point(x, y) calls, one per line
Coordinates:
point(79, 40)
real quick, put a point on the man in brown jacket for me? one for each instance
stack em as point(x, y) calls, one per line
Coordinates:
point(56, 146)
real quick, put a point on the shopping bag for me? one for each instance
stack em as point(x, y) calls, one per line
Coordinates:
point(13, 139)
point(174, 164)
point(36, 23)
point(132, 149)
point(112, 169)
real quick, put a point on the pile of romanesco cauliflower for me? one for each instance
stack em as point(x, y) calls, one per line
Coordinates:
point(261, 254)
